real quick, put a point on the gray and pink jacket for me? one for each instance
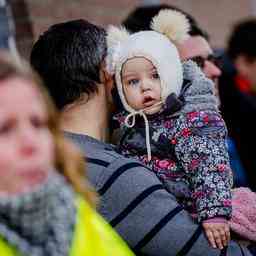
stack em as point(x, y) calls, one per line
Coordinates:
point(189, 152)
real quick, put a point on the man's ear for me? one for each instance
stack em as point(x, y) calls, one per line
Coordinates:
point(108, 82)
point(104, 75)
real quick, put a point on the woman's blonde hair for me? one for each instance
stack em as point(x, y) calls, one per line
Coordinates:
point(68, 159)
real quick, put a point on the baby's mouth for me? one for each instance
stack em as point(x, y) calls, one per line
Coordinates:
point(148, 101)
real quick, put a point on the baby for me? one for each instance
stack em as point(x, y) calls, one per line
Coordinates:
point(169, 120)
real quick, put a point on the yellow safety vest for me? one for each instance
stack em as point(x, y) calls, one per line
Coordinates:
point(92, 236)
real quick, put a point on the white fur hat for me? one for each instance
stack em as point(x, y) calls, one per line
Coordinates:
point(158, 46)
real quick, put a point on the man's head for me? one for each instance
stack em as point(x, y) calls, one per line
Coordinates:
point(198, 49)
point(195, 47)
point(241, 49)
point(68, 56)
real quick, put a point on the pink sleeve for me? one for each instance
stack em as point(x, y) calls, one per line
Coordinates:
point(216, 220)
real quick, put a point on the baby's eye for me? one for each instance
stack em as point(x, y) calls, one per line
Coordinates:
point(133, 82)
point(155, 75)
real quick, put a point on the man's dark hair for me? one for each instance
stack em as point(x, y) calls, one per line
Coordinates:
point(140, 19)
point(242, 40)
point(68, 57)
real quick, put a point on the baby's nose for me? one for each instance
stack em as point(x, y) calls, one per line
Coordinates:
point(146, 85)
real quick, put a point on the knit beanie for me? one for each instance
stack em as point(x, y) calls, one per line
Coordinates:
point(169, 27)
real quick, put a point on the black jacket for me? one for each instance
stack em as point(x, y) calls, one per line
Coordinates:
point(239, 110)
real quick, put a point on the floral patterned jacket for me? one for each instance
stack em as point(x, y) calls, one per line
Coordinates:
point(188, 147)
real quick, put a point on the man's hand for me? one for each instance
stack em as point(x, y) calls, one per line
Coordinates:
point(218, 233)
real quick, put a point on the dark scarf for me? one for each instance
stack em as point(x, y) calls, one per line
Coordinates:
point(40, 222)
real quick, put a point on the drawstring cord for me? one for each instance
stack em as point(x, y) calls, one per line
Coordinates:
point(177, 104)
point(130, 125)
point(142, 113)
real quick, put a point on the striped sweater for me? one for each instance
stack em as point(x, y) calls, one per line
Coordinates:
point(136, 204)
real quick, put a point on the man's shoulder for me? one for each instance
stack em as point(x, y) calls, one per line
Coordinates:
point(95, 150)
point(102, 161)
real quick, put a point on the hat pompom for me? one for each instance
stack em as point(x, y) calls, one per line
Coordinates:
point(172, 24)
point(115, 36)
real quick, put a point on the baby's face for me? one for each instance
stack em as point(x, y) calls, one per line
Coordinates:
point(141, 83)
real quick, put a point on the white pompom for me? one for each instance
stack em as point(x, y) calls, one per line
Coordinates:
point(115, 36)
point(172, 24)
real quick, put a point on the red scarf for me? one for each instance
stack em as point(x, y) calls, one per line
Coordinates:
point(243, 84)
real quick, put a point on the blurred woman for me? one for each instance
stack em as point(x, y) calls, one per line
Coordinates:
point(40, 214)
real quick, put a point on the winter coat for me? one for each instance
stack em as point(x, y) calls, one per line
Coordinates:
point(189, 153)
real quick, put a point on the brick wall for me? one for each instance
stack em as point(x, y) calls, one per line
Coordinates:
point(32, 17)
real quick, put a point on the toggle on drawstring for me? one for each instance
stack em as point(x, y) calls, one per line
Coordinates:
point(142, 113)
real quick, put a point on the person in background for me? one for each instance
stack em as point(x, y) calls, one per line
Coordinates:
point(237, 92)
point(7, 28)
point(198, 49)
point(70, 58)
point(40, 213)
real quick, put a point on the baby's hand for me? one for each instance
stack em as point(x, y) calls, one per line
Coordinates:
point(218, 233)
